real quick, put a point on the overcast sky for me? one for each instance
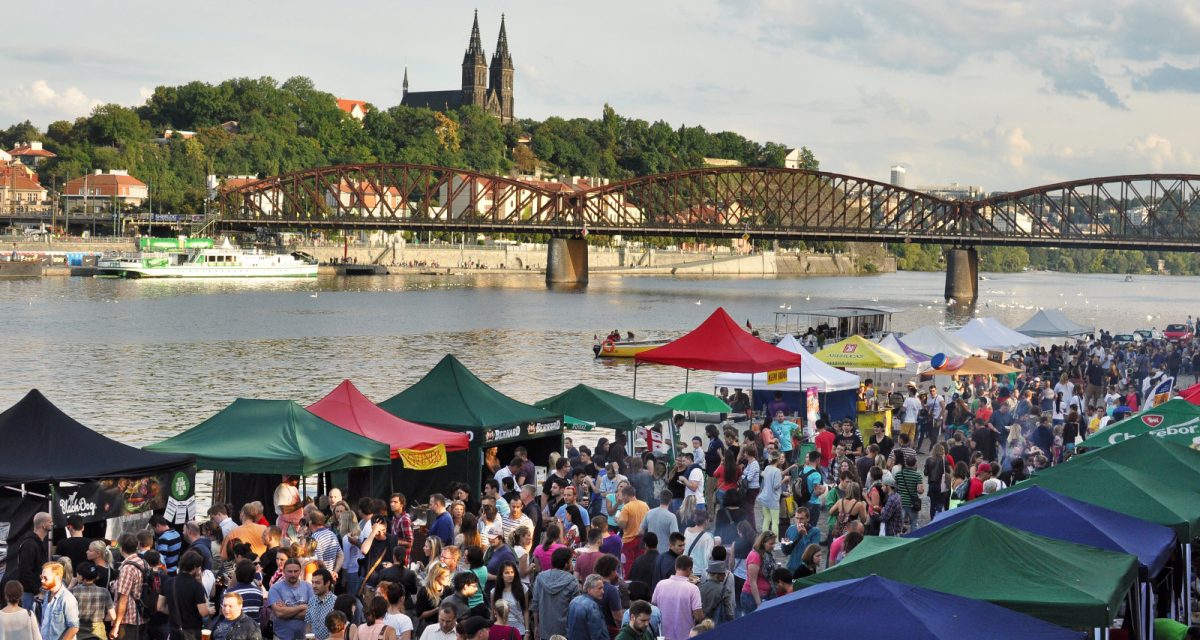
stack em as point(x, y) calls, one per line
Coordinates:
point(998, 94)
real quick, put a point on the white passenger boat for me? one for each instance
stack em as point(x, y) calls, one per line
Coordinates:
point(197, 259)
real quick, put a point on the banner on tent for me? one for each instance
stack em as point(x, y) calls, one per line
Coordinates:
point(777, 377)
point(423, 460)
point(533, 429)
point(115, 497)
point(16, 518)
point(812, 406)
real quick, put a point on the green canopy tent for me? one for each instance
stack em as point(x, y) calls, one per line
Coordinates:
point(587, 407)
point(451, 397)
point(1160, 457)
point(1176, 420)
point(273, 437)
point(1060, 582)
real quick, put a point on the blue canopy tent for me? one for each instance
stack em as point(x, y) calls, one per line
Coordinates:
point(897, 610)
point(1053, 515)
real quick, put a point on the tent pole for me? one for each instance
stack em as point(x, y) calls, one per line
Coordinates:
point(635, 366)
point(686, 374)
point(1187, 583)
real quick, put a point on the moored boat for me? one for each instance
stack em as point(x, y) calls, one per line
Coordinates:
point(609, 348)
point(21, 267)
point(199, 259)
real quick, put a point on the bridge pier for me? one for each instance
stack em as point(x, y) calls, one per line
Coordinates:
point(567, 262)
point(962, 275)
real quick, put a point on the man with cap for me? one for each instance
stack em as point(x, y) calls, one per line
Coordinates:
point(714, 600)
point(891, 516)
point(474, 628)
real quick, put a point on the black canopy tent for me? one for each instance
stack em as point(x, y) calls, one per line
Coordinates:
point(45, 448)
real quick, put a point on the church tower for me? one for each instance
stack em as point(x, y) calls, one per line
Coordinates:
point(474, 69)
point(501, 80)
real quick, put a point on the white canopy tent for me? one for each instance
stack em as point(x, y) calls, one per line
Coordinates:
point(1052, 323)
point(810, 373)
point(932, 340)
point(991, 334)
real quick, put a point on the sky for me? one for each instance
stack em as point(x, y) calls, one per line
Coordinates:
point(1003, 95)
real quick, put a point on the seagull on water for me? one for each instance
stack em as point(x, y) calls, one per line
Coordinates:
point(313, 295)
point(697, 303)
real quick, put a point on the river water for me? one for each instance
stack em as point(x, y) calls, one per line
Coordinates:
point(141, 360)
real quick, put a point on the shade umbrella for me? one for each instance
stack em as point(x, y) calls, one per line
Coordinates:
point(856, 352)
point(896, 610)
point(698, 401)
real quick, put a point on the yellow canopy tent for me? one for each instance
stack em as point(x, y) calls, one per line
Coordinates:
point(857, 352)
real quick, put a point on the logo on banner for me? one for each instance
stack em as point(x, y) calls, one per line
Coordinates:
point(544, 427)
point(776, 377)
point(1152, 420)
point(77, 505)
point(503, 434)
point(431, 458)
point(181, 486)
point(850, 348)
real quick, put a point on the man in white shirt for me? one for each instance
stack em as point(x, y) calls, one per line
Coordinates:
point(936, 405)
point(694, 481)
point(445, 629)
point(912, 411)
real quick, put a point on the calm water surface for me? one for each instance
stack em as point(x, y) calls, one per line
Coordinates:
point(142, 360)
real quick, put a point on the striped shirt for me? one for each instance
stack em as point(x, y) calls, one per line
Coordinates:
point(512, 524)
point(907, 480)
point(252, 598)
point(169, 544)
point(327, 548)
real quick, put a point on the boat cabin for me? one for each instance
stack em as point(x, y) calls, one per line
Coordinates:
point(838, 323)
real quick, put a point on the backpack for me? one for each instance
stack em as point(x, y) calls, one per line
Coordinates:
point(152, 582)
point(803, 492)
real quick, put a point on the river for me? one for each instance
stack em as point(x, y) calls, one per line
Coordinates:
point(141, 360)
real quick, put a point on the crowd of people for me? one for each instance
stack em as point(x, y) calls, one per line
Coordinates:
point(609, 546)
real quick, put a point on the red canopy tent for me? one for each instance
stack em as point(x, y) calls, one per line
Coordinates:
point(720, 344)
point(424, 459)
point(1191, 394)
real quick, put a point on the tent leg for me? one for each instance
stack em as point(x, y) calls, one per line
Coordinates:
point(635, 366)
point(686, 374)
point(1187, 583)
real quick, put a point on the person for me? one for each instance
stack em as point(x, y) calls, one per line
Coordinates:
point(666, 561)
point(880, 438)
point(167, 542)
point(376, 626)
point(75, 545)
point(219, 514)
point(445, 629)
point(784, 430)
point(100, 556)
point(810, 562)
point(26, 557)
point(849, 439)
point(644, 568)
point(911, 486)
point(584, 618)
point(250, 531)
point(466, 587)
point(94, 602)
point(715, 600)
point(248, 586)
point(553, 591)
point(638, 627)
point(60, 610)
point(509, 591)
point(912, 411)
point(760, 564)
point(289, 508)
point(235, 623)
point(551, 542)
point(629, 518)
point(937, 473)
point(809, 491)
point(770, 490)
point(429, 597)
point(129, 622)
point(891, 516)
point(516, 517)
point(698, 542)
point(195, 540)
point(500, 629)
point(443, 523)
point(328, 551)
point(321, 602)
point(288, 599)
point(185, 599)
point(661, 521)
point(799, 535)
point(679, 600)
point(840, 546)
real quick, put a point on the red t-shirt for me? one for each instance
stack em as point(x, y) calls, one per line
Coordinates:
point(824, 442)
point(975, 490)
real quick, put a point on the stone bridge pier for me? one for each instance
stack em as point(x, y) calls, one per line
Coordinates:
point(567, 262)
point(962, 275)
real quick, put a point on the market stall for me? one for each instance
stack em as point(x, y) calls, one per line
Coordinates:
point(53, 463)
point(424, 459)
point(1052, 323)
point(934, 340)
point(837, 391)
point(994, 336)
point(451, 397)
point(860, 354)
point(256, 441)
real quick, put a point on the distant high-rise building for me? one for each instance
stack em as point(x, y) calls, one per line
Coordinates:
point(898, 175)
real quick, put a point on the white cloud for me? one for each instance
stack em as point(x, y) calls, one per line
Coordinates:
point(42, 101)
point(1161, 154)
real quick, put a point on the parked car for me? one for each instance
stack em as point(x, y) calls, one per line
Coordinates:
point(1177, 333)
point(1149, 334)
point(1127, 338)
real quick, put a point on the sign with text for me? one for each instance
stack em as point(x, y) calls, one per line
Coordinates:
point(423, 460)
point(116, 497)
point(777, 377)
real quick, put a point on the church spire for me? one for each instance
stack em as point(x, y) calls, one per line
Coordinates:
point(501, 52)
point(405, 79)
point(475, 46)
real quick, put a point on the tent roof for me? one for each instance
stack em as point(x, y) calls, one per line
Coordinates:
point(451, 397)
point(1059, 582)
point(835, 610)
point(349, 409)
point(1165, 458)
point(43, 444)
point(976, 366)
point(1120, 488)
point(1191, 394)
point(720, 344)
point(856, 352)
point(1176, 419)
point(934, 340)
point(991, 334)
point(604, 408)
point(810, 373)
point(1052, 323)
point(1053, 515)
point(274, 436)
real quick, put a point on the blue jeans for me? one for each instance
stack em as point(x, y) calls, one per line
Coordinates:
point(747, 602)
